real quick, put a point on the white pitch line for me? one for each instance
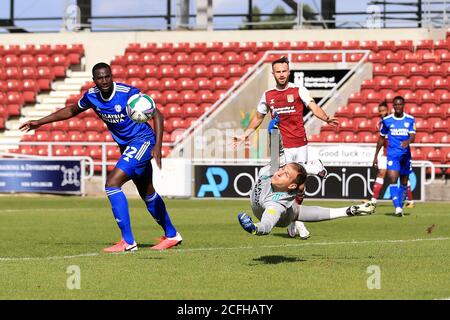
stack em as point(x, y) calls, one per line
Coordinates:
point(48, 258)
point(230, 248)
point(32, 210)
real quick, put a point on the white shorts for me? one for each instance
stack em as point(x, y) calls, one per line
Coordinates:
point(299, 154)
point(382, 162)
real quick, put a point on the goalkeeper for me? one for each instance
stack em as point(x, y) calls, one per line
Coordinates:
point(273, 202)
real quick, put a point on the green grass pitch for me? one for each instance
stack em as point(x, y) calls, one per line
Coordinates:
point(43, 236)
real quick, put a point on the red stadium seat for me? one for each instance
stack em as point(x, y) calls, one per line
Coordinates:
point(220, 83)
point(182, 47)
point(264, 45)
point(187, 84)
point(184, 71)
point(169, 84)
point(214, 57)
point(432, 110)
point(206, 96)
point(343, 111)
point(248, 46)
point(153, 84)
point(197, 58)
point(118, 71)
point(204, 83)
point(166, 70)
point(78, 151)
point(135, 71)
point(151, 71)
point(439, 125)
point(192, 110)
point(76, 136)
point(157, 96)
point(165, 58)
point(173, 97)
point(189, 96)
point(148, 58)
point(199, 47)
point(232, 57)
point(133, 58)
point(182, 58)
point(218, 70)
point(234, 70)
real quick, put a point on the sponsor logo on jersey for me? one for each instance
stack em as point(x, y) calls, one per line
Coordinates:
point(112, 118)
point(399, 132)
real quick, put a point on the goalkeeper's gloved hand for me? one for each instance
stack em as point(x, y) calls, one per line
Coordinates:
point(274, 123)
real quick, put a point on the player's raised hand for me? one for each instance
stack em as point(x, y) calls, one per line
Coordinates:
point(332, 121)
point(29, 125)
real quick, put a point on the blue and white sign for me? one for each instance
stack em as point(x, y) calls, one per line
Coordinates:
point(40, 176)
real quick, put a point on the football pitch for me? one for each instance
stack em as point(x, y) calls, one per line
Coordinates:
point(51, 248)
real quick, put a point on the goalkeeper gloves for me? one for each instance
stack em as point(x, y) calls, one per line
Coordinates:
point(274, 123)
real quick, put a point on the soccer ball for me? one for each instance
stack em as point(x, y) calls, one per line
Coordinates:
point(140, 107)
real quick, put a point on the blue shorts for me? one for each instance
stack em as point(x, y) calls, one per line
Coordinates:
point(400, 163)
point(135, 159)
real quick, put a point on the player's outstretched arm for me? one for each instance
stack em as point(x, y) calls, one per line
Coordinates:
point(256, 121)
point(320, 114)
point(62, 114)
point(158, 125)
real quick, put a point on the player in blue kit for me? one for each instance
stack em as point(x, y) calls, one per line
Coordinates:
point(138, 144)
point(400, 130)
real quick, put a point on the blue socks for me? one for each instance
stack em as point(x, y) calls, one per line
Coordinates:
point(398, 194)
point(157, 209)
point(119, 205)
point(394, 190)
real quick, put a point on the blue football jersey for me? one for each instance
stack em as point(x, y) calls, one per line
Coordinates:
point(113, 113)
point(397, 130)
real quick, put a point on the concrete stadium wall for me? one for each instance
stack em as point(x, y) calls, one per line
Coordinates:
point(103, 46)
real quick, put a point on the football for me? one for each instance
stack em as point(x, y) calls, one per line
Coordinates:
point(140, 107)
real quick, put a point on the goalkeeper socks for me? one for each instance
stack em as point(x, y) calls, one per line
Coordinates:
point(157, 208)
point(394, 190)
point(377, 187)
point(119, 205)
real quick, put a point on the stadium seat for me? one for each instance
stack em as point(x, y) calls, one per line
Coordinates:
point(148, 58)
point(165, 58)
point(197, 58)
point(189, 96)
point(199, 47)
point(151, 71)
point(214, 58)
point(186, 84)
point(135, 71)
point(218, 70)
point(201, 70)
point(184, 47)
point(350, 45)
point(184, 71)
point(232, 57)
point(166, 70)
point(76, 136)
point(182, 58)
point(192, 110)
point(169, 84)
point(233, 46)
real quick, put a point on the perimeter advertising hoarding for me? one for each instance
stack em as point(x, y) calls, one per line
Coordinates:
point(40, 176)
point(343, 182)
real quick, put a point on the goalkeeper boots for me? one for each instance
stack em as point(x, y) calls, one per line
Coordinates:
point(247, 223)
point(361, 209)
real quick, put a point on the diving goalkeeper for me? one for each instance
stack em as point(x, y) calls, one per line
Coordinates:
point(273, 202)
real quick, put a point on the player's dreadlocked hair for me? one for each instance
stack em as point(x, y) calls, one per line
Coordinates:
point(100, 65)
point(301, 173)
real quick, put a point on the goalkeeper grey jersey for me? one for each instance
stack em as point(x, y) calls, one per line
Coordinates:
point(263, 198)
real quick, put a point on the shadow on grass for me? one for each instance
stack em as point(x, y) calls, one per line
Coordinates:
point(276, 260)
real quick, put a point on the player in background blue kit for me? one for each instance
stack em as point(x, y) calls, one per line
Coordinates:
point(138, 144)
point(400, 130)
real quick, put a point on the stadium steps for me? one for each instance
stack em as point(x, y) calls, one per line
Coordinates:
point(46, 104)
